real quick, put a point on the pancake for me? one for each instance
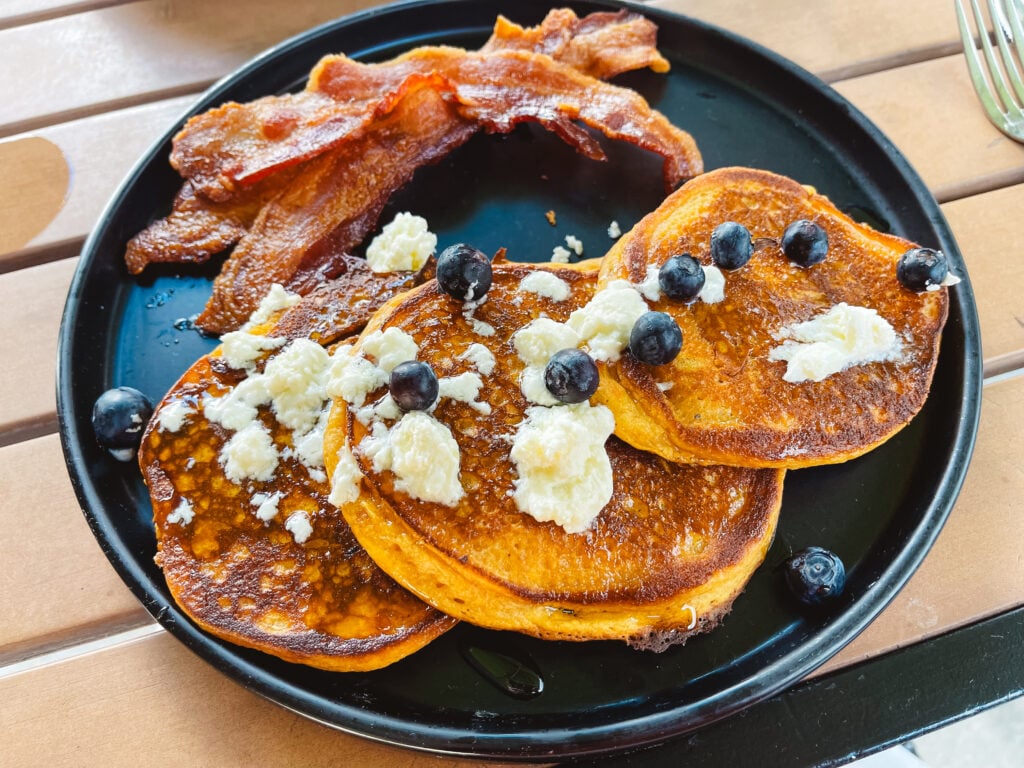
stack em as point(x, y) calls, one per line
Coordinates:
point(724, 399)
point(251, 548)
point(668, 552)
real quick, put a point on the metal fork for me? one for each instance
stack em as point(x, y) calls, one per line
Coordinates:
point(1000, 88)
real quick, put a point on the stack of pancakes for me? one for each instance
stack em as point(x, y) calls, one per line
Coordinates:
point(697, 458)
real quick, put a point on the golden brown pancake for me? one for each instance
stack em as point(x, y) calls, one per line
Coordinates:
point(728, 402)
point(259, 582)
point(664, 558)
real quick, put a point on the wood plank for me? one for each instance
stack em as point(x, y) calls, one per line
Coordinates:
point(972, 571)
point(15, 12)
point(128, 54)
point(835, 39)
point(181, 712)
point(72, 593)
point(929, 110)
point(99, 151)
point(31, 302)
point(988, 230)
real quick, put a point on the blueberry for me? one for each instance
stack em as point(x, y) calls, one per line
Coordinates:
point(919, 268)
point(805, 243)
point(119, 417)
point(731, 245)
point(571, 376)
point(413, 385)
point(815, 576)
point(681, 277)
point(463, 272)
point(655, 338)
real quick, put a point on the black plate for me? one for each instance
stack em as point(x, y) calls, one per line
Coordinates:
point(745, 106)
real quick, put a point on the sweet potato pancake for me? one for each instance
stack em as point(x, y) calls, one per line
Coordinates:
point(251, 549)
point(734, 395)
point(437, 497)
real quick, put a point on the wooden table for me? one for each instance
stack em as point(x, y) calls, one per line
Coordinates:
point(87, 677)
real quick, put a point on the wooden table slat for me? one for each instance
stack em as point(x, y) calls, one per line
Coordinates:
point(99, 151)
point(128, 54)
point(930, 111)
point(62, 588)
point(835, 38)
point(31, 303)
point(16, 12)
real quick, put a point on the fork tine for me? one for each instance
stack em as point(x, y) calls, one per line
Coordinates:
point(974, 67)
point(1014, 11)
point(1003, 31)
point(995, 74)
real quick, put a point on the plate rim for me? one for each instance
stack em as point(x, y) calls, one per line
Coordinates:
point(601, 738)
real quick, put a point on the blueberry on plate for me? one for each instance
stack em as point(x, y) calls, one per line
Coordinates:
point(920, 268)
point(655, 339)
point(731, 245)
point(681, 277)
point(815, 576)
point(571, 376)
point(805, 243)
point(413, 385)
point(463, 272)
point(119, 417)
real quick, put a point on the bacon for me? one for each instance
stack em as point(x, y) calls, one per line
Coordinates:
point(601, 45)
point(197, 228)
point(300, 236)
point(238, 144)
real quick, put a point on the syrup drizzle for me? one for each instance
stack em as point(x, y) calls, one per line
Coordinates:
point(514, 675)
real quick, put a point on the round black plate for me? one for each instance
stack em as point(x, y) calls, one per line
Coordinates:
point(745, 106)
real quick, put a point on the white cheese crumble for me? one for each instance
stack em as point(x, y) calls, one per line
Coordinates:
point(605, 323)
point(250, 454)
point(650, 288)
point(277, 298)
point(346, 478)
point(560, 255)
point(299, 525)
point(295, 380)
point(173, 416)
point(665, 386)
point(949, 280)
point(480, 328)
point(353, 377)
point(403, 245)
point(465, 388)
point(545, 284)
point(422, 453)
point(182, 514)
point(564, 474)
point(614, 231)
point(237, 408)
point(574, 244)
point(842, 337)
point(390, 347)
point(713, 290)
point(536, 343)
point(241, 349)
point(480, 357)
point(266, 505)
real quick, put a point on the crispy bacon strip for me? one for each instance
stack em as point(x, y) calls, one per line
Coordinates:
point(601, 45)
point(235, 145)
point(298, 238)
point(197, 228)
